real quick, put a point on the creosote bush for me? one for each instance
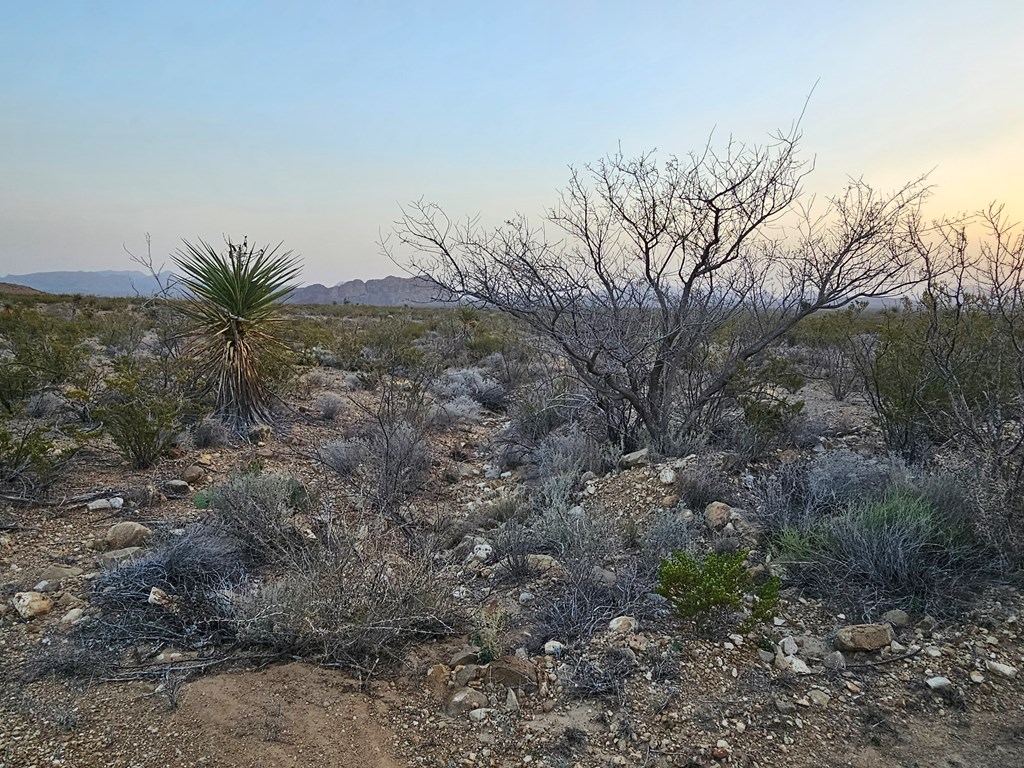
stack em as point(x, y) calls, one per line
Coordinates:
point(705, 590)
point(141, 420)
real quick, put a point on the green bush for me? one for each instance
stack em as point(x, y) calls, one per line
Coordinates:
point(29, 462)
point(703, 589)
point(142, 423)
point(38, 351)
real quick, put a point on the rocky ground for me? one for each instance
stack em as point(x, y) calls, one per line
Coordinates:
point(812, 688)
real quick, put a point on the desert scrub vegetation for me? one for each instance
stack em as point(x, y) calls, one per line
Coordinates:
point(665, 278)
point(945, 372)
point(261, 572)
point(233, 303)
point(142, 418)
point(706, 590)
point(871, 537)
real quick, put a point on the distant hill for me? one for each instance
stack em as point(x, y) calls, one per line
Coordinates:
point(102, 283)
point(385, 292)
point(19, 290)
point(388, 291)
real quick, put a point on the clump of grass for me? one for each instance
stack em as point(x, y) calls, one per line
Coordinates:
point(901, 550)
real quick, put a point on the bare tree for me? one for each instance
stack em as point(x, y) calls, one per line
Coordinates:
point(666, 277)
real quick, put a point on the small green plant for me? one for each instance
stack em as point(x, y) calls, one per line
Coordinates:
point(703, 589)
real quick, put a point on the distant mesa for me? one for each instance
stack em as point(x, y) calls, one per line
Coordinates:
point(387, 292)
point(13, 289)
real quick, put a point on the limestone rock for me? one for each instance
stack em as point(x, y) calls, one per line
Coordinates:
point(126, 534)
point(55, 574)
point(793, 664)
point(116, 556)
point(834, 662)
point(462, 700)
point(73, 616)
point(896, 617)
point(623, 625)
point(635, 459)
point(469, 654)
point(29, 605)
point(176, 489)
point(437, 679)
point(938, 683)
point(819, 698)
point(1002, 670)
point(553, 648)
point(667, 476)
point(864, 637)
point(464, 675)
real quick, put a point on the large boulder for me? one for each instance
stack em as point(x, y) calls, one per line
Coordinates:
point(864, 637)
point(717, 515)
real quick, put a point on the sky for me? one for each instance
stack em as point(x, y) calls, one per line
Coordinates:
point(311, 122)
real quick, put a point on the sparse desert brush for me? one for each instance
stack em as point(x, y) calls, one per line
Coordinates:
point(472, 383)
point(257, 509)
point(460, 410)
point(342, 609)
point(36, 351)
point(329, 405)
point(343, 457)
point(29, 461)
point(143, 423)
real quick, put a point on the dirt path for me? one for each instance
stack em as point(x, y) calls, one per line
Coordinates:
point(284, 717)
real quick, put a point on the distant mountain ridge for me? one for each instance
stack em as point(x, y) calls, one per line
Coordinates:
point(100, 283)
point(388, 291)
point(385, 292)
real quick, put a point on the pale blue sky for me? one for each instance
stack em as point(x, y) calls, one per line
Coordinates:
point(309, 122)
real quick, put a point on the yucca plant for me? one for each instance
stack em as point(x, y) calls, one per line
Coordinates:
point(234, 303)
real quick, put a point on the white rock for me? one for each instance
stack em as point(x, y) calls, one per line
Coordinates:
point(623, 625)
point(1002, 670)
point(977, 677)
point(938, 683)
point(553, 648)
point(479, 715)
point(482, 552)
point(73, 616)
point(29, 605)
point(667, 476)
point(789, 646)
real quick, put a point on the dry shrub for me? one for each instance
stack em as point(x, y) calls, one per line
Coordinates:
point(343, 457)
point(347, 609)
point(258, 512)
